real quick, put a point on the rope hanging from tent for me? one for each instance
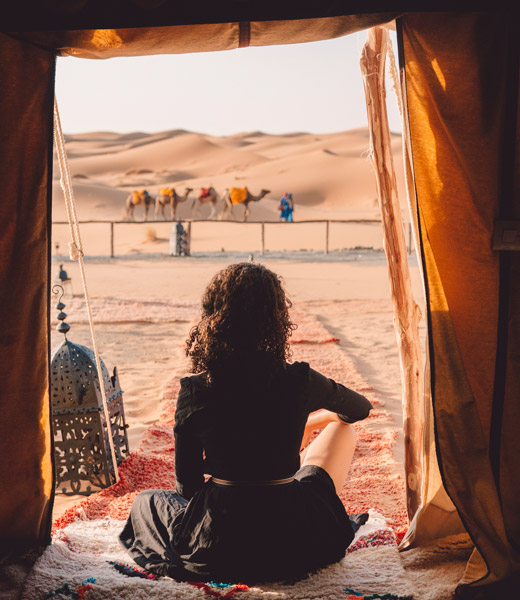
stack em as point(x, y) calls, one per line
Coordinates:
point(76, 253)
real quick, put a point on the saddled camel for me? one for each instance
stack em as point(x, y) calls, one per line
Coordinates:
point(168, 196)
point(240, 196)
point(136, 198)
point(206, 196)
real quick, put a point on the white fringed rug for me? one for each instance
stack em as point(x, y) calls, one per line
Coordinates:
point(80, 564)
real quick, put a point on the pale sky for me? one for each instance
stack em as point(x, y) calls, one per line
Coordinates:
point(314, 87)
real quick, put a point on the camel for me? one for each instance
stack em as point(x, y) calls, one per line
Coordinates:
point(169, 196)
point(247, 198)
point(136, 198)
point(206, 196)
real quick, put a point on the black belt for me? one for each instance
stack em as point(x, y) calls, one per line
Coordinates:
point(227, 482)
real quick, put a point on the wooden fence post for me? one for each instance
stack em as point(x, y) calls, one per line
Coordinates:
point(326, 237)
point(406, 312)
point(111, 239)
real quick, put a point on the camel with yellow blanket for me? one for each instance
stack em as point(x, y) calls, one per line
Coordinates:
point(168, 196)
point(136, 198)
point(240, 195)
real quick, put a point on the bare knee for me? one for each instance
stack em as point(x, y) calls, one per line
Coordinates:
point(348, 429)
point(333, 448)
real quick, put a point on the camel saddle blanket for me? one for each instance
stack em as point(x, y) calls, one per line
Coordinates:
point(238, 195)
point(137, 196)
point(204, 192)
point(166, 192)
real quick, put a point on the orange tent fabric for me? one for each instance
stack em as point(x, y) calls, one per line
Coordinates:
point(457, 73)
point(26, 469)
point(138, 39)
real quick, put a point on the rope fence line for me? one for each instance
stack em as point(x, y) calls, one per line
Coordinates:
point(190, 222)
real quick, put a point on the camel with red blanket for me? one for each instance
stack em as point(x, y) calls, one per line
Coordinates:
point(168, 196)
point(240, 195)
point(206, 196)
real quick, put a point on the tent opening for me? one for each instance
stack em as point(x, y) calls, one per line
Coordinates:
point(144, 299)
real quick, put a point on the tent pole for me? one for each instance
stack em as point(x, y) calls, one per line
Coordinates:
point(406, 312)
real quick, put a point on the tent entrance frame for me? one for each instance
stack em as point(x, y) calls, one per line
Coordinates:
point(27, 57)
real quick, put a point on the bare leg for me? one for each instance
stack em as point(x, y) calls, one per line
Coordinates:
point(334, 447)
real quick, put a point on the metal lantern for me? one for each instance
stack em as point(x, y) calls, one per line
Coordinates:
point(82, 451)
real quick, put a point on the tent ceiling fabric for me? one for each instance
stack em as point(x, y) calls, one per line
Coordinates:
point(109, 43)
point(48, 15)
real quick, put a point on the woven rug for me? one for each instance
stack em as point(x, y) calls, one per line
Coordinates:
point(85, 560)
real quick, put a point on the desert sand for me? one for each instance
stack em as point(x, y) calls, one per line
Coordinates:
point(145, 300)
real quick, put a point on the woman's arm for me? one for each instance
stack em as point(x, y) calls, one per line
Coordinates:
point(326, 393)
point(189, 461)
point(189, 464)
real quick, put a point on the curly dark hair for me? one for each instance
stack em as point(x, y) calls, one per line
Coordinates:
point(245, 324)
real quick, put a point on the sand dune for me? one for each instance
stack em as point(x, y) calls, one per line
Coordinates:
point(329, 175)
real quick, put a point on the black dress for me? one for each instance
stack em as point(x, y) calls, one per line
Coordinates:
point(245, 432)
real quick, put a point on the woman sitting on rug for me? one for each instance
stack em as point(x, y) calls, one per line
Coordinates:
point(267, 512)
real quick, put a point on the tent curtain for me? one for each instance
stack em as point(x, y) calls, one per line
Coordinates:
point(26, 471)
point(456, 73)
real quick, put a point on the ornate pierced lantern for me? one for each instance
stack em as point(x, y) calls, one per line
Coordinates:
point(83, 456)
